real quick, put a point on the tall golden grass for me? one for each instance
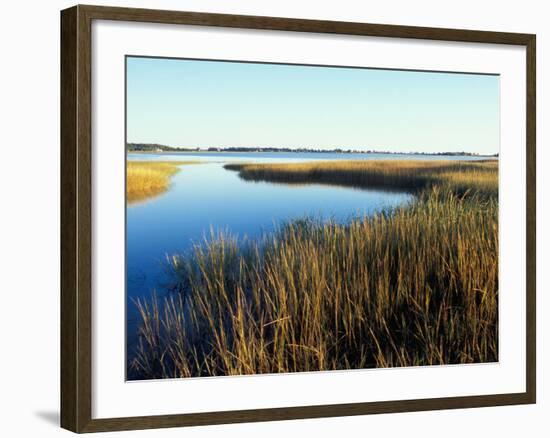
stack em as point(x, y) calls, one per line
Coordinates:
point(409, 175)
point(147, 179)
point(416, 285)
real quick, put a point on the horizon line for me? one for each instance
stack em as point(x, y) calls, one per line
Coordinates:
point(312, 148)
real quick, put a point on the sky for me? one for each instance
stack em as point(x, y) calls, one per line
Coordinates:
point(195, 103)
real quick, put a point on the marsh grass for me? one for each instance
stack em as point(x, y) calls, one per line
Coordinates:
point(147, 179)
point(416, 285)
point(408, 175)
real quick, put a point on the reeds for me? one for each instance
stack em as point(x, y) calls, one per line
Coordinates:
point(147, 179)
point(408, 175)
point(416, 285)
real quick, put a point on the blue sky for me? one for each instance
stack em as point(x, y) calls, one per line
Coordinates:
point(190, 103)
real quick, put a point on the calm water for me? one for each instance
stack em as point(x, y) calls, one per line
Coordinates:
point(206, 196)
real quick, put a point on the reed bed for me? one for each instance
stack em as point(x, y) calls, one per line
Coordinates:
point(408, 175)
point(147, 179)
point(412, 286)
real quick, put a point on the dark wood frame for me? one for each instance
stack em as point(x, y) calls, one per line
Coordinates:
point(76, 237)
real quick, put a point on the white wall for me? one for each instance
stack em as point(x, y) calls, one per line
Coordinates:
point(29, 220)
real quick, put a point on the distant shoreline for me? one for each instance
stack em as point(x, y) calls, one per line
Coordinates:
point(169, 149)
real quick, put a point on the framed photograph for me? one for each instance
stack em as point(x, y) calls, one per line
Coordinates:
point(271, 218)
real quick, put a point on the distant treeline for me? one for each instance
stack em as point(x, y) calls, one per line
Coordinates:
point(153, 147)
